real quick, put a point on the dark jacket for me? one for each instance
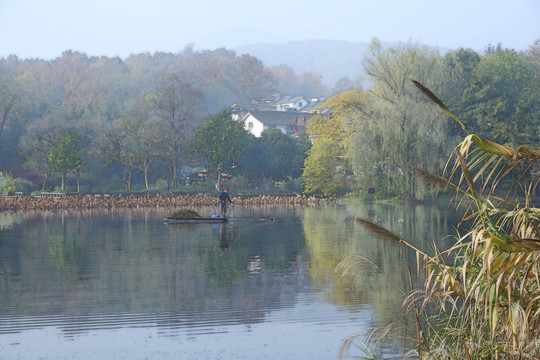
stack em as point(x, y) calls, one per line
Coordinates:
point(224, 197)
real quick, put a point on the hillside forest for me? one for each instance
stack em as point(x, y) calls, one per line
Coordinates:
point(148, 122)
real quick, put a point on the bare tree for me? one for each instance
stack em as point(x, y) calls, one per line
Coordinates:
point(177, 106)
point(9, 99)
point(534, 55)
point(36, 143)
point(248, 79)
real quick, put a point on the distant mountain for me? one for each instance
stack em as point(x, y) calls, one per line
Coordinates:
point(333, 60)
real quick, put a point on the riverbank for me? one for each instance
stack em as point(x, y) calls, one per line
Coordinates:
point(147, 201)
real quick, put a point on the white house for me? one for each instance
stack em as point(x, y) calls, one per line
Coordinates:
point(289, 122)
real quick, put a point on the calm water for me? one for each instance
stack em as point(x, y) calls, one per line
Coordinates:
point(124, 285)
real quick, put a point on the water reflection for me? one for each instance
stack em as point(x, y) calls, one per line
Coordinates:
point(423, 226)
point(100, 271)
point(223, 240)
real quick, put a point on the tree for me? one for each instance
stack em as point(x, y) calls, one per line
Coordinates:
point(310, 84)
point(248, 79)
point(148, 145)
point(121, 145)
point(280, 157)
point(285, 79)
point(458, 67)
point(331, 154)
point(177, 107)
point(324, 167)
point(344, 84)
point(35, 146)
point(323, 172)
point(9, 99)
point(397, 127)
point(534, 55)
point(221, 142)
point(66, 155)
point(503, 100)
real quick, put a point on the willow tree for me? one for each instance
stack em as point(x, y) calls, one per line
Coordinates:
point(398, 127)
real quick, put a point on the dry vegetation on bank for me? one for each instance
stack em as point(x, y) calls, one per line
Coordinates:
point(146, 201)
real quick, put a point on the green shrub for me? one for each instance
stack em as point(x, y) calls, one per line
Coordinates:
point(10, 185)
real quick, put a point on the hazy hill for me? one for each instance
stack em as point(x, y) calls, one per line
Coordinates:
point(331, 59)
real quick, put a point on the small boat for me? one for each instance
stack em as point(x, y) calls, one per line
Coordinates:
point(194, 220)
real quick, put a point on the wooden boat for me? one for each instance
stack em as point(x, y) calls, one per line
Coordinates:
point(195, 220)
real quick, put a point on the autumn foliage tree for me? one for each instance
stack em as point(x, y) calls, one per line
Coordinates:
point(324, 167)
point(327, 165)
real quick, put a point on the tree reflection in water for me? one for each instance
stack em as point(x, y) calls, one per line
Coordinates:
point(86, 271)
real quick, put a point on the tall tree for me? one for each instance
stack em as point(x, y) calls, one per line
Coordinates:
point(221, 142)
point(534, 55)
point(310, 84)
point(324, 166)
point(123, 146)
point(503, 99)
point(344, 84)
point(9, 99)
point(66, 155)
point(248, 79)
point(283, 155)
point(458, 67)
point(177, 107)
point(35, 146)
point(399, 127)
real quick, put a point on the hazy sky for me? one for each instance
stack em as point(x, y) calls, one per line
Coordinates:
point(46, 28)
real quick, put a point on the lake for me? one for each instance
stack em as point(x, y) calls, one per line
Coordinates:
point(122, 284)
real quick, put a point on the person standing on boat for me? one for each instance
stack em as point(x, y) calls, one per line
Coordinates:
point(223, 198)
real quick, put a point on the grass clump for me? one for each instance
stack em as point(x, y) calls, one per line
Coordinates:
point(183, 213)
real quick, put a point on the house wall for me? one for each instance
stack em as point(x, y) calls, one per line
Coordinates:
point(253, 126)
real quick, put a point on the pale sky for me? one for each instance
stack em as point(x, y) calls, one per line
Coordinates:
point(46, 28)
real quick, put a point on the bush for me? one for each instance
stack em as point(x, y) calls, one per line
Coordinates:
point(10, 185)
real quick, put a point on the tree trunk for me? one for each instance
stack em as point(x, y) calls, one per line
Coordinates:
point(46, 177)
point(146, 166)
point(63, 186)
point(127, 180)
point(174, 177)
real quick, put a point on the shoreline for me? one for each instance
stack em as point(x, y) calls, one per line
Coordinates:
point(26, 203)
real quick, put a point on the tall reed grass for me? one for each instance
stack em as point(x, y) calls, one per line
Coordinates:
point(479, 299)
